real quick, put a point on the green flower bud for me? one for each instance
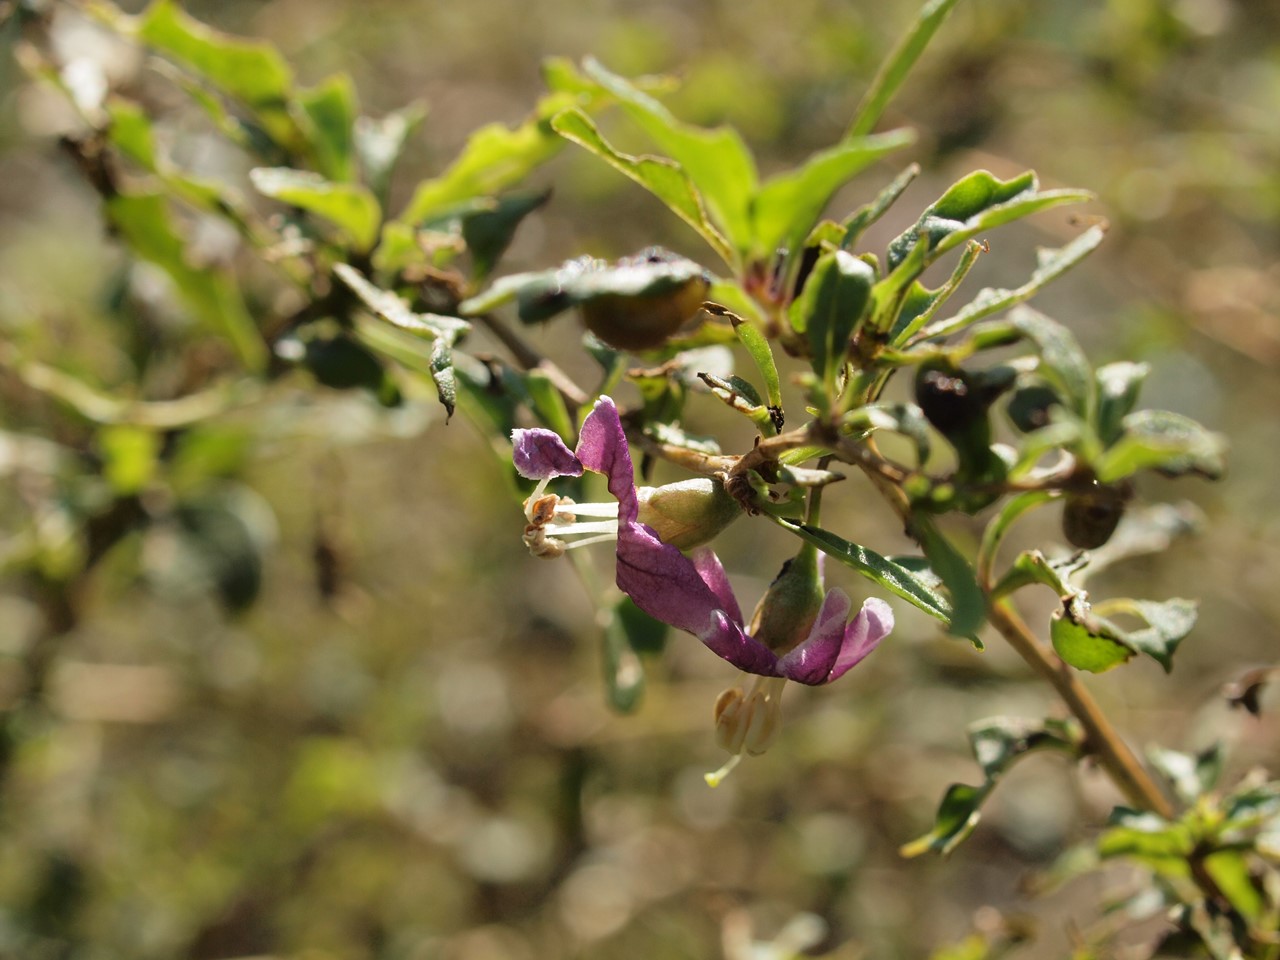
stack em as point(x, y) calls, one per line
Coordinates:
point(786, 613)
point(689, 513)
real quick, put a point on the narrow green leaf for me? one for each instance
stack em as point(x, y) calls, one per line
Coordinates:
point(1164, 441)
point(1051, 265)
point(740, 395)
point(968, 605)
point(896, 68)
point(349, 206)
point(893, 576)
point(955, 821)
point(331, 109)
point(391, 308)
point(1190, 775)
point(904, 418)
point(757, 347)
point(869, 213)
point(1146, 837)
point(788, 205)
point(717, 161)
point(920, 304)
point(829, 308)
point(664, 178)
point(211, 294)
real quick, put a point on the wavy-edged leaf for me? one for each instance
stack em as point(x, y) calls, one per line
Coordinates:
point(442, 376)
point(789, 204)
point(488, 232)
point(351, 207)
point(716, 160)
point(1164, 441)
point(895, 577)
point(978, 202)
point(665, 179)
point(1051, 264)
point(1168, 624)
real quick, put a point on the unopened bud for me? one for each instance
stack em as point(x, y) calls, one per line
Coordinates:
point(786, 613)
point(689, 513)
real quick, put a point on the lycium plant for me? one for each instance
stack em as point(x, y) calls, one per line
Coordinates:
point(385, 302)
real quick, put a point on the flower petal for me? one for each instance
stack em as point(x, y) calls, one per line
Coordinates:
point(540, 454)
point(873, 623)
point(812, 661)
point(662, 581)
point(729, 641)
point(712, 573)
point(602, 447)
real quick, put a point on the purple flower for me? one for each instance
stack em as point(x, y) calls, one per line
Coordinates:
point(691, 593)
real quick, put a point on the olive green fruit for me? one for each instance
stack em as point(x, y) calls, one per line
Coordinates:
point(1089, 519)
point(644, 321)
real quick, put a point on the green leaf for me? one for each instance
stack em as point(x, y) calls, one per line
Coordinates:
point(488, 232)
point(1000, 741)
point(968, 605)
point(252, 71)
point(1169, 623)
point(893, 576)
point(829, 308)
point(762, 356)
point(542, 295)
point(904, 418)
point(549, 403)
point(664, 178)
point(1164, 441)
point(1062, 362)
point(976, 203)
point(349, 206)
point(717, 161)
point(340, 363)
point(222, 539)
point(131, 132)
point(442, 376)
point(1118, 386)
point(740, 395)
point(920, 304)
point(1084, 641)
point(391, 308)
point(1051, 264)
point(379, 143)
point(869, 213)
point(896, 68)
point(211, 294)
point(1149, 838)
point(788, 205)
point(495, 157)
point(956, 819)
point(331, 109)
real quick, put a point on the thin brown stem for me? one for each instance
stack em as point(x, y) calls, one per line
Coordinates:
point(530, 359)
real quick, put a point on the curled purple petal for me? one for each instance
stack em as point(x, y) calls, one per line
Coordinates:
point(729, 641)
point(873, 623)
point(602, 447)
point(813, 660)
point(540, 454)
point(712, 573)
point(662, 581)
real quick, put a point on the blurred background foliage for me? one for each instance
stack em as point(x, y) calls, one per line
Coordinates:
point(402, 749)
